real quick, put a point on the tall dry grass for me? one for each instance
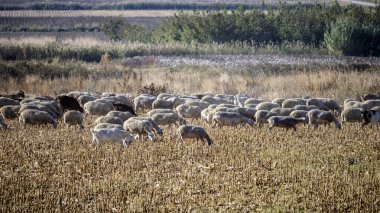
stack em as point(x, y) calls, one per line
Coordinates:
point(247, 169)
point(188, 79)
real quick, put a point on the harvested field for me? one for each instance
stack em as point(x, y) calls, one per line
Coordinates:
point(246, 169)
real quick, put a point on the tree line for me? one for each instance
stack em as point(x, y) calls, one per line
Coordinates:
point(350, 30)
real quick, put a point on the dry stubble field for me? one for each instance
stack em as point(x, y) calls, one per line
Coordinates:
point(46, 170)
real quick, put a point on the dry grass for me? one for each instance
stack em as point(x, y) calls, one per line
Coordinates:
point(43, 169)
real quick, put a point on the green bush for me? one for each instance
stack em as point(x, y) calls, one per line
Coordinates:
point(347, 36)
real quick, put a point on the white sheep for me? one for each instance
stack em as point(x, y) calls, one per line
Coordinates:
point(108, 126)
point(317, 117)
point(246, 112)
point(215, 100)
point(332, 104)
point(162, 104)
point(291, 102)
point(318, 103)
point(352, 115)
point(240, 99)
point(168, 119)
point(33, 117)
point(122, 115)
point(201, 104)
point(193, 132)
point(192, 112)
point(97, 108)
point(154, 111)
point(282, 111)
point(278, 101)
point(253, 101)
point(154, 125)
point(73, 117)
point(285, 122)
point(261, 116)
point(230, 119)
point(299, 114)
point(305, 107)
point(267, 106)
point(376, 108)
point(108, 119)
point(111, 135)
point(10, 112)
point(206, 114)
point(83, 99)
point(139, 127)
point(8, 101)
point(143, 102)
point(3, 124)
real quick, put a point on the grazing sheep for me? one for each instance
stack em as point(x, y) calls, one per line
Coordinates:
point(215, 100)
point(139, 127)
point(83, 99)
point(124, 108)
point(154, 125)
point(201, 104)
point(68, 103)
point(122, 115)
point(206, 115)
point(164, 96)
point(97, 108)
point(192, 112)
point(371, 116)
point(299, 114)
point(143, 102)
point(290, 103)
point(108, 126)
point(111, 135)
point(282, 111)
point(15, 96)
point(3, 124)
point(168, 119)
point(193, 132)
point(351, 115)
point(230, 119)
point(32, 116)
point(253, 101)
point(108, 119)
point(317, 117)
point(351, 103)
point(331, 104)
point(227, 105)
point(154, 111)
point(366, 97)
point(284, 122)
point(318, 103)
point(267, 106)
point(246, 112)
point(73, 117)
point(261, 116)
point(376, 108)
point(162, 104)
point(24, 107)
point(305, 107)
point(8, 101)
point(10, 112)
point(76, 94)
point(252, 106)
point(278, 101)
point(240, 99)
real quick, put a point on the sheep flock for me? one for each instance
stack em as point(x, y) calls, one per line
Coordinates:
point(123, 118)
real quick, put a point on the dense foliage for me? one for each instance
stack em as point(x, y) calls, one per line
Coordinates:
point(318, 26)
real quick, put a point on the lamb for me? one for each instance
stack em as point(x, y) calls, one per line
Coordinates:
point(124, 108)
point(371, 116)
point(290, 103)
point(285, 122)
point(8, 101)
point(282, 111)
point(139, 127)
point(352, 114)
point(108, 126)
point(267, 106)
point(192, 112)
point(97, 108)
point(230, 119)
point(318, 103)
point(122, 115)
point(111, 135)
point(317, 117)
point(168, 119)
point(72, 118)
point(68, 103)
point(193, 132)
point(261, 116)
point(3, 124)
point(154, 111)
point(108, 119)
point(32, 116)
point(10, 112)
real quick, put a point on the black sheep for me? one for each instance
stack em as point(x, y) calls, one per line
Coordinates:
point(68, 103)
